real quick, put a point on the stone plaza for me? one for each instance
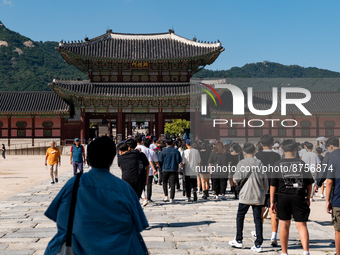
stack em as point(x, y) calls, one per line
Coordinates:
point(202, 227)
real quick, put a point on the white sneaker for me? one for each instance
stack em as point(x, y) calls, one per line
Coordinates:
point(223, 197)
point(257, 248)
point(215, 197)
point(171, 201)
point(253, 233)
point(236, 244)
point(312, 199)
point(145, 202)
point(165, 199)
point(322, 196)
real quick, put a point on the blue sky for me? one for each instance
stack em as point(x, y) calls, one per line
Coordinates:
point(299, 32)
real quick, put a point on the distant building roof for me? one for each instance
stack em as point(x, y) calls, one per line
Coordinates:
point(141, 47)
point(320, 102)
point(37, 102)
point(121, 90)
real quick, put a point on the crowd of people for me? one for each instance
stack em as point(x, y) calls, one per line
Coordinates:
point(275, 178)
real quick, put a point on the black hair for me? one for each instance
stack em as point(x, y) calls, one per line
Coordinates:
point(309, 146)
point(267, 140)
point(259, 147)
point(289, 145)
point(139, 139)
point(131, 143)
point(236, 147)
point(193, 145)
point(123, 147)
point(101, 152)
point(147, 142)
point(318, 150)
point(169, 142)
point(203, 146)
point(249, 148)
point(333, 141)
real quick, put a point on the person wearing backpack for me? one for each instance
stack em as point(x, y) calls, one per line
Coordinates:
point(77, 156)
point(252, 184)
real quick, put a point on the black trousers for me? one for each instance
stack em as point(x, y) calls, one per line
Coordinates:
point(190, 183)
point(160, 175)
point(171, 177)
point(149, 188)
point(241, 213)
point(177, 182)
point(219, 185)
point(135, 185)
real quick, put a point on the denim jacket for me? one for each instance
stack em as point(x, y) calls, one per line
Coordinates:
point(170, 159)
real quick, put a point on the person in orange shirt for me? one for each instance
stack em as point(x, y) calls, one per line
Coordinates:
point(53, 156)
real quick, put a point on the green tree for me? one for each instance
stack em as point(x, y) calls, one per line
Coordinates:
point(176, 126)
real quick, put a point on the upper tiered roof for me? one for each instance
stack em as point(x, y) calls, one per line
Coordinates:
point(141, 47)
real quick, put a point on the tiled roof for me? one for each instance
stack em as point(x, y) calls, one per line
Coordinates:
point(320, 102)
point(122, 90)
point(32, 102)
point(134, 47)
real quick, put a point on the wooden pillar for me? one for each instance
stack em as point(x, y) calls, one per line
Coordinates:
point(156, 125)
point(317, 126)
point(82, 125)
point(87, 127)
point(33, 130)
point(129, 127)
point(150, 128)
point(121, 124)
point(160, 123)
point(109, 126)
point(9, 120)
point(62, 130)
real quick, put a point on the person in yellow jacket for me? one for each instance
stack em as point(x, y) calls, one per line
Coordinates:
point(53, 156)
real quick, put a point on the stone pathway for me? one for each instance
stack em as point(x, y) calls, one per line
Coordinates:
point(203, 227)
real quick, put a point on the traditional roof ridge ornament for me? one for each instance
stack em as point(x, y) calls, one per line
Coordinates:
point(148, 36)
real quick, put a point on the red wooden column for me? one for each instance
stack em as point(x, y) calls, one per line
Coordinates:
point(9, 128)
point(33, 130)
point(150, 127)
point(82, 125)
point(121, 124)
point(156, 126)
point(129, 127)
point(87, 127)
point(109, 126)
point(62, 130)
point(160, 123)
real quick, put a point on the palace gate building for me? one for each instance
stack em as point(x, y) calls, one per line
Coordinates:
point(131, 77)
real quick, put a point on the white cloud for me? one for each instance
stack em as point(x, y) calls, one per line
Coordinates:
point(7, 2)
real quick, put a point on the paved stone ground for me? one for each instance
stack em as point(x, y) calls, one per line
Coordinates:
point(203, 227)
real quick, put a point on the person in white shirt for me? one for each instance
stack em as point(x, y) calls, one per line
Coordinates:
point(313, 161)
point(303, 150)
point(153, 145)
point(147, 153)
point(154, 159)
point(191, 160)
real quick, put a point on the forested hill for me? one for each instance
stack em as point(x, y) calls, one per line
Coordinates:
point(27, 65)
point(269, 70)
